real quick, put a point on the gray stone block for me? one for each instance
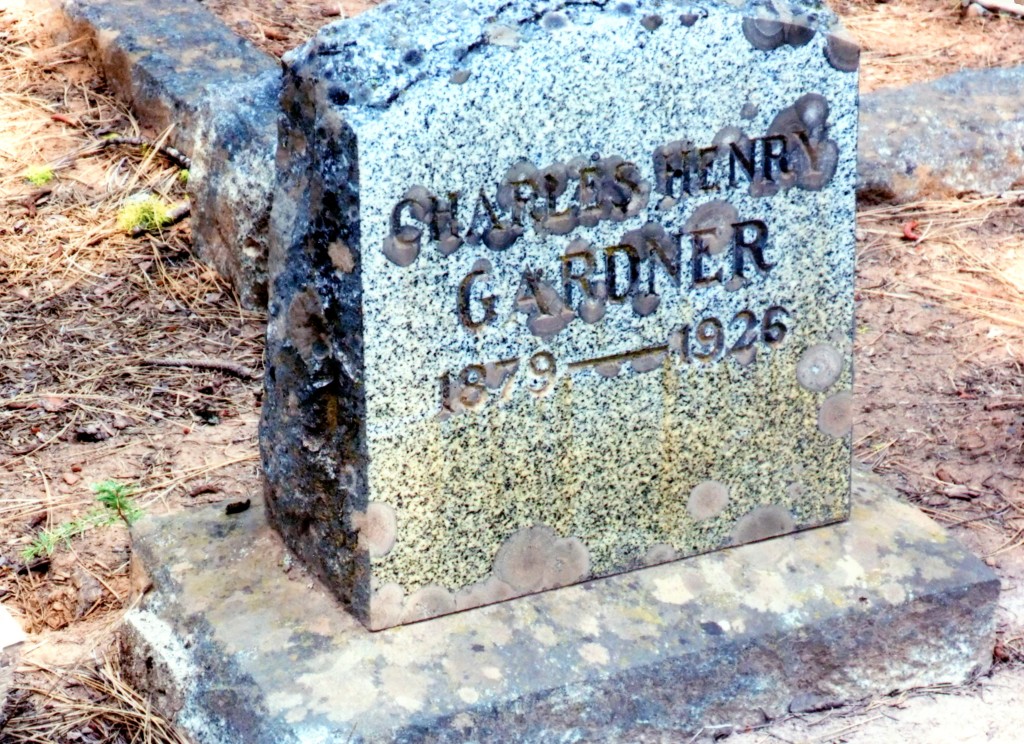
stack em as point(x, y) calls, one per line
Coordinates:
point(162, 57)
point(234, 649)
point(558, 291)
point(960, 133)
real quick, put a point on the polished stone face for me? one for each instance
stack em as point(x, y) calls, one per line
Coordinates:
point(557, 295)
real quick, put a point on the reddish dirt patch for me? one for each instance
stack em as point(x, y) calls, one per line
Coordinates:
point(276, 26)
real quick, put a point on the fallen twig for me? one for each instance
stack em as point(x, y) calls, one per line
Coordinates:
point(173, 153)
point(174, 215)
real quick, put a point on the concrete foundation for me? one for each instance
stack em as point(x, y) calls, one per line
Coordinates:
point(236, 644)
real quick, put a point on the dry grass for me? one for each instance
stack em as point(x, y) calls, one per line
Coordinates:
point(86, 309)
point(90, 704)
point(276, 26)
point(940, 362)
point(977, 270)
point(906, 41)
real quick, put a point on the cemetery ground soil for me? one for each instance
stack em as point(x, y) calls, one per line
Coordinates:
point(94, 323)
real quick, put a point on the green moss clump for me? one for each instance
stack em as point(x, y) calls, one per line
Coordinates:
point(146, 213)
point(39, 175)
point(183, 176)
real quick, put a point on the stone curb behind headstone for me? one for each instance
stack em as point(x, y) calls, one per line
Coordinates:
point(177, 63)
point(236, 650)
point(960, 133)
point(231, 183)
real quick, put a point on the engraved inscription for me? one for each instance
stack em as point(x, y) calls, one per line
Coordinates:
point(667, 247)
point(710, 340)
point(561, 197)
point(636, 270)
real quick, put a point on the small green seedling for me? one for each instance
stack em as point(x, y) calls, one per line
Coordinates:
point(117, 497)
point(38, 175)
point(117, 506)
point(143, 213)
point(183, 176)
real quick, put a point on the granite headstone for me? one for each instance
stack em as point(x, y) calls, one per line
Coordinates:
point(558, 290)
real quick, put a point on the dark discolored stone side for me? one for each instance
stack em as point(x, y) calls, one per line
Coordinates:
point(960, 133)
point(232, 182)
point(312, 431)
point(233, 649)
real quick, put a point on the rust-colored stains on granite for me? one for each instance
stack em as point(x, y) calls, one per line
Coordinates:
point(449, 470)
point(835, 418)
point(377, 528)
point(842, 51)
point(531, 560)
point(707, 500)
point(819, 367)
point(762, 523)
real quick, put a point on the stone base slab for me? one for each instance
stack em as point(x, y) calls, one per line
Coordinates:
point(11, 639)
point(237, 645)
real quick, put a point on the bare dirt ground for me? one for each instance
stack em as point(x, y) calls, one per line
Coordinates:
point(910, 41)
point(124, 359)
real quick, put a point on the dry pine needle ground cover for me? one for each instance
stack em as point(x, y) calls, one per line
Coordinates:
point(91, 318)
point(123, 359)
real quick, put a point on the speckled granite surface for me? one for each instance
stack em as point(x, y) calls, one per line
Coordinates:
point(235, 650)
point(557, 292)
point(962, 132)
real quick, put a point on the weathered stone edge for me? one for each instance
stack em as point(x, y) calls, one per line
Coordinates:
point(941, 634)
point(163, 58)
